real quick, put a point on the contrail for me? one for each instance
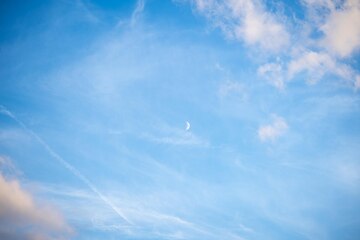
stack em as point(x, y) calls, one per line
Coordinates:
point(66, 164)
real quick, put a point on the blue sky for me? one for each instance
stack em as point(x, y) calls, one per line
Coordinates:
point(95, 97)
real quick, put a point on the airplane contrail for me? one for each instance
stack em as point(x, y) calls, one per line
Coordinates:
point(66, 164)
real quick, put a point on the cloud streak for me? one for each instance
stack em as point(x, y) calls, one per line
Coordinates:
point(140, 5)
point(67, 165)
point(175, 136)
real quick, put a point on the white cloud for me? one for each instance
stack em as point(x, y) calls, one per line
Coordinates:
point(231, 87)
point(338, 21)
point(316, 65)
point(247, 21)
point(258, 26)
point(342, 29)
point(22, 218)
point(357, 82)
point(252, 23)
point(274, 130)
point(273, 72)
point(177, 137)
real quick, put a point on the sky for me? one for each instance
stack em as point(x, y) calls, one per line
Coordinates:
point(180, 119)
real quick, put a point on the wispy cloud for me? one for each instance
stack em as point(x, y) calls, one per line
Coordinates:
point(175, 136)
point(7, 167)
point(116, 109)
point(314, 65)
point(317, 64)
point(245, 228)
point(232, 88)
point(348, 173)
point(149, 219)
point(357, 82)
point(323, 55)
point(139, 8)
point(66, 164)
point(186, 138)
point(274, 130)
point(86, 13)
point(273, 72)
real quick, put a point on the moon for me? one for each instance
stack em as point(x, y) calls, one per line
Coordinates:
point(187, 126)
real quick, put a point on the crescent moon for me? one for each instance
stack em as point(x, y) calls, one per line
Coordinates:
point(187, 126)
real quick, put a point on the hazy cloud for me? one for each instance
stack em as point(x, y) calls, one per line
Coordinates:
point(140, 5)
point(313, 64)
point(7, 167)
point(316, 65)
point(231, 87)
point(176, 137)
point(349, 174)
point(273, 72)
point(357, 82)
point(272, 131)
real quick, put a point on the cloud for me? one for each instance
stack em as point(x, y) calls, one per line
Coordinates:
point(22, 218)
point(349, 174)
point(273, 72)
point(247, 21)
point(164, 133)
point(341, 29)
point(183, 139)
point(258, 26)
point(316, 65)
point(232, 87)
point(357, 82)
point(274, 130)
point(66, 164)
point(245, 228)
point(176, 137)
point(336, 25)
point(149, 212)
point(7, 167)
point(140, 5)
